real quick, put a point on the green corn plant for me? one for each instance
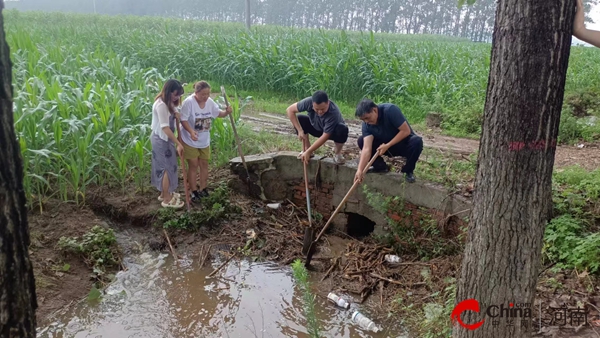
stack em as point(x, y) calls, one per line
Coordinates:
point(301, 276)
point(141, 174)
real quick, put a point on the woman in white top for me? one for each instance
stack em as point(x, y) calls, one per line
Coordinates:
point(198, 110)
point(579, 31)
point(164, 158)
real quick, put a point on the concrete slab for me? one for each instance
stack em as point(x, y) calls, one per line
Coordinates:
point(280, 176)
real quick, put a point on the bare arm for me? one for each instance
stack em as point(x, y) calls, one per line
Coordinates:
point(187, 127)
point(163, 120)
point(319, 142)
point(365, 154)
point(171, 136)
point(184, 117)
point(404, 131)
point(579, 31)
point(292, 110)
point(227, 111)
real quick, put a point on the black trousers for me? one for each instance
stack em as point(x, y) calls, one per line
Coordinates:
point(340, 134)
point(410, 148)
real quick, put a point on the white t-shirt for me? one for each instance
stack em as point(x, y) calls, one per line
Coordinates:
point(200, 119)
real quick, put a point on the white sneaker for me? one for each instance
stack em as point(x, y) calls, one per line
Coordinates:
point(339, 159)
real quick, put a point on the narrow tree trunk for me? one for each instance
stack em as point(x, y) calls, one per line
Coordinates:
point(248, 17)
point(512, 199)
point(17, 286)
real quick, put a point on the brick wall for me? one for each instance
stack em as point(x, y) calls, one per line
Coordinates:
point(411, 215)
point(320, 199)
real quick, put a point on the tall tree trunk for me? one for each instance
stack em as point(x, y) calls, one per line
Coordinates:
point(512, 199)
point(248, 17)
point(17, 286)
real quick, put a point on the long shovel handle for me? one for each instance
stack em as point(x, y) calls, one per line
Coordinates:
point(187, 190)
point(339, 207)
point(237, 138)
point(307, 192)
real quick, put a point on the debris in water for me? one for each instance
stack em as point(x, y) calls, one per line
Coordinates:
point(339, 301)
point(274, 205)
point(364, 322)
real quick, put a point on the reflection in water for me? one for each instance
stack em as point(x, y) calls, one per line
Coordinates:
point(155, 298)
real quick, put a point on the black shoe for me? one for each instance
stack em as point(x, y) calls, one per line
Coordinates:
point(203, 193)
point(374, 169)
point(410, 178)
point(195, 196)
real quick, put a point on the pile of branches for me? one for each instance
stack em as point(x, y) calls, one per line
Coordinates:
point(362, 269)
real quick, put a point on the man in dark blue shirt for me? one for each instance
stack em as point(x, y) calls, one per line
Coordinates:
point(323, 120)
point(386, 131)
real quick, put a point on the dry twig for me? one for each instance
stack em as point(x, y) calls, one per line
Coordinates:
point(170, 246)
point(221, 266)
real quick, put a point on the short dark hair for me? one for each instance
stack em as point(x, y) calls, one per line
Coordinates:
point(319, 97)
point(364, 107)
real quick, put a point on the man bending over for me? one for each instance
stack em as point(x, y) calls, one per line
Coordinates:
point(386, 130)
point(324, 120)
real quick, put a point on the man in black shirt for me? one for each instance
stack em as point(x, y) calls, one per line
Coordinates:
point(386, 130)
point(323, 120)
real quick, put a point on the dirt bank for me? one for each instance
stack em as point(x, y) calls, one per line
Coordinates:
point(61, 279)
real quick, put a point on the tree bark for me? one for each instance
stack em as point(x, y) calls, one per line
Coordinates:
point(512, 199)
point(17, 286)
point(248, 17)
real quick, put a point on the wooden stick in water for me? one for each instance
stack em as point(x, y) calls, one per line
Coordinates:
point(221, 266)
point(170, 246)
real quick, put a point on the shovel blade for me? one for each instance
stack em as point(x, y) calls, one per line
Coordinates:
point(308, 239)
point(311, 251)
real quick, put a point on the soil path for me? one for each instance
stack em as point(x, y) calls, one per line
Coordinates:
point(586, 155)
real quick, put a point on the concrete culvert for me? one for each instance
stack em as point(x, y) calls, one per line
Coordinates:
point(359, 226)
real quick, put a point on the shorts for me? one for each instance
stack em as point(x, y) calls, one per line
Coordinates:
point(190, 153)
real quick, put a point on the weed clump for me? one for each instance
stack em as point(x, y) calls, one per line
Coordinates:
point(571, 238)
point(214, 208)
point(98, 247)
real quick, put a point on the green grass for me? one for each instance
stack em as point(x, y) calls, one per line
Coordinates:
point(572, 238)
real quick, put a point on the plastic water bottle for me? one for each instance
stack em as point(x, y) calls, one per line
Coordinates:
point(337, 300)
point(392, 258)
point(364, 322)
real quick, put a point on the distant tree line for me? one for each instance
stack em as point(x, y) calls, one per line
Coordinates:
point(474, 22)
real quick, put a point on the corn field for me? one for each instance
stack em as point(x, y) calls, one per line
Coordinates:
point(84, 84)
point(83, 114)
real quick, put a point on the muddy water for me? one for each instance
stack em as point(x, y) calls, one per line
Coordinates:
point(156, 298)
